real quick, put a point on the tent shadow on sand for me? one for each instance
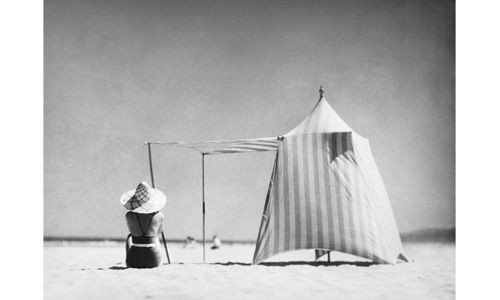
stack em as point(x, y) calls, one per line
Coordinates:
point(276, 264)
point(302, 263)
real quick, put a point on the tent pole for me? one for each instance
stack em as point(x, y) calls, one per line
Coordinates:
point(151, 165)
point(153, 185)
point(203, 199)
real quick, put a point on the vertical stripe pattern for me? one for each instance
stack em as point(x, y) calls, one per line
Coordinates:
point(319, 200)
point(326, 193)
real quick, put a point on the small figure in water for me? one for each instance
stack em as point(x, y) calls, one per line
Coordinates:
point(144, 221)
point(189, 242)
point(217, 243)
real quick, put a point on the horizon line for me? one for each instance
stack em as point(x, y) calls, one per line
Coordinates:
point(430, 234)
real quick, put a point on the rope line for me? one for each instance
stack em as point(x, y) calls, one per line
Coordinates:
point(124, 161)
point(101, 198)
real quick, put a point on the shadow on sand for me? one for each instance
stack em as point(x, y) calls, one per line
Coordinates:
point(302, 263)
point(117, 268)
point(121, 267)
point(272, 264)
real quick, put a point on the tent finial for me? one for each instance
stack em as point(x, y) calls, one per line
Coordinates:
point(321, 91)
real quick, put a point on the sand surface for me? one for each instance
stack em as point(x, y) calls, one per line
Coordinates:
point(97, 271)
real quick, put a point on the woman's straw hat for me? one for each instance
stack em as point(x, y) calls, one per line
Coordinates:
point(144, 199)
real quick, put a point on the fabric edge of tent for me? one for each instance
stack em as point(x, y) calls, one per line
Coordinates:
point(259, 245)
point(365, 155)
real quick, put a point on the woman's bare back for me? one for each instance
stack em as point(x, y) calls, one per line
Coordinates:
point(154, 221)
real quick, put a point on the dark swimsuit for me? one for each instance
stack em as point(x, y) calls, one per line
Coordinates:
point(143, 257)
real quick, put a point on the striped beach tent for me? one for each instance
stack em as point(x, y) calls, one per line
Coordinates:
point(326, 194)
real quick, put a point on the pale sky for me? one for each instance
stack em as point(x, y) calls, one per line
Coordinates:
point(118, 73)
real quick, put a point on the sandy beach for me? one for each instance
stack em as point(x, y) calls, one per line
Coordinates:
point(97, 271)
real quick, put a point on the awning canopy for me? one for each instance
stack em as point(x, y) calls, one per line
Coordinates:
point(227, 147)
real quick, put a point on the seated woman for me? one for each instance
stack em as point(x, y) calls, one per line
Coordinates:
point(144, 221)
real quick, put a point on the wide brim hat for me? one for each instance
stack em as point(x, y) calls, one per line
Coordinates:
point(144, 199)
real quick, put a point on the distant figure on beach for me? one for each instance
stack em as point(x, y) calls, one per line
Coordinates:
point(189, 242)
point(216, 243)
point(144, 221)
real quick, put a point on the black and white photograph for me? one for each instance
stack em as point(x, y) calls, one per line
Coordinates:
point(224, 149)
point(249, 149)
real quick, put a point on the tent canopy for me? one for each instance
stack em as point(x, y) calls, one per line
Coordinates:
point(321, 119)
point(227, 147)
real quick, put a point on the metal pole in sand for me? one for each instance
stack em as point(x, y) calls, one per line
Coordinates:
point(203, 199)
point(153, 185)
